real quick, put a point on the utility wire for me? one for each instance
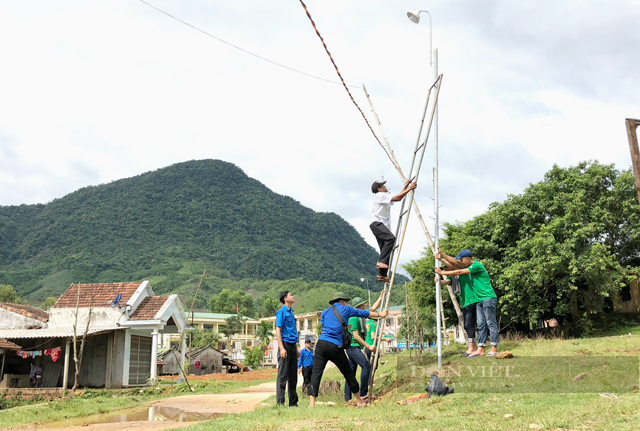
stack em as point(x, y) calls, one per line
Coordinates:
point(346, 87)
point(244, 50)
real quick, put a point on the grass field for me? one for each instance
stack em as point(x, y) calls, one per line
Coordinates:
point(472, 410)
point(93, 402)
point(541, 397)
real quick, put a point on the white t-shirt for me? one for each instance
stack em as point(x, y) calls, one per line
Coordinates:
point(381, 210)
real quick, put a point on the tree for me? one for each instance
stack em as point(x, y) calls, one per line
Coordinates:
point(252, 356)
point(226, 302)
point(564, 247)
point(202, 338)
point(269, 307)
point(48, 303)
point(264, 333)
point(8, 294)
point(234, 326)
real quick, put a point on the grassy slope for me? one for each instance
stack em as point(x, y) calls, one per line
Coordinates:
point(466, 411)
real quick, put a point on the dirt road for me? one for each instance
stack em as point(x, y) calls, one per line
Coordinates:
point(182, 411)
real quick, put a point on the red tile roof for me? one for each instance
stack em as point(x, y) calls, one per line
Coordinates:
point(97, 294)
point(148, 308)
point(8, 345)
point(26, 310)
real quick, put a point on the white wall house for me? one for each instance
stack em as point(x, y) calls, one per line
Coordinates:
point(126, 325)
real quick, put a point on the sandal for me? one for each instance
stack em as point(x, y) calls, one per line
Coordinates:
point(382, 265)
point(384, 279)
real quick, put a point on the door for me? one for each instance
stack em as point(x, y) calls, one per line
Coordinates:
point(140, 360)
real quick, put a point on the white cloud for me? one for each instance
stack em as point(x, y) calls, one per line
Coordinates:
point(94, 92)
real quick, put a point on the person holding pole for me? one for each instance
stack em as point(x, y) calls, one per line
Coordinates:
point(357, 326)
point(467, 298)
point(486, 301)
point(381, 222)
point(288, 353)
point(331, 345)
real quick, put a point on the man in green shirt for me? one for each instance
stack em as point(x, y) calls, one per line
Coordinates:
point(486, 301)
point(467, 299)
point(357, 326)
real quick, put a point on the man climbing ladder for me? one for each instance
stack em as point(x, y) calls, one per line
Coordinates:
point(381, 222)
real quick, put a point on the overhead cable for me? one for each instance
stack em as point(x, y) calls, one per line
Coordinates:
point(244, 50)
point(346, 87)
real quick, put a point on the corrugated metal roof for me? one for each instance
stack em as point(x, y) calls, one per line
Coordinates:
point(199, 315)
point(14, 334)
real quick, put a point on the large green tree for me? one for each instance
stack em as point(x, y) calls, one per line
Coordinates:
point(8, 294)
point(227, 301)
point(565, 246)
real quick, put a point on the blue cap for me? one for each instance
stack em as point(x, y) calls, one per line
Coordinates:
point(464, 253)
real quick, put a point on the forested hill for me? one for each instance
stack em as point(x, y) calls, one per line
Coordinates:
point(197, 214)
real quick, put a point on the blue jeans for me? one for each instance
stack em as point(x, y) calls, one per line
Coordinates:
point(486, 315)
point(356, 357)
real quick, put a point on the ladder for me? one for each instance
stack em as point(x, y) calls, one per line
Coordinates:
point(401, 229)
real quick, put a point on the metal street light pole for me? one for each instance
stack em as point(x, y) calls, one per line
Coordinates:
point(415, 17)
point(367, 280)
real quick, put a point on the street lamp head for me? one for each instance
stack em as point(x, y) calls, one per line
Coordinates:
point(362, 279)
point(414, 15)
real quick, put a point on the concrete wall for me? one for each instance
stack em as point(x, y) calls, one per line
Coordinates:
point(117, 358)
point(11, 320)
point(100, 317)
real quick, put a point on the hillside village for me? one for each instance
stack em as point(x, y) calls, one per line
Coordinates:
point(133, 337)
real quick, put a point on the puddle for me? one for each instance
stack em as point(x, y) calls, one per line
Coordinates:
point(153, 413)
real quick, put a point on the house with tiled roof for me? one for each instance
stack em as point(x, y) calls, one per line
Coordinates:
point(14, 316)
point(125, 321)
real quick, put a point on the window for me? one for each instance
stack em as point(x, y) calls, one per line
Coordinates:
point(310, 325)
point(207, 327)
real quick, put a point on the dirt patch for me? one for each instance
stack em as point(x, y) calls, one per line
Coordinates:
point(243, 377)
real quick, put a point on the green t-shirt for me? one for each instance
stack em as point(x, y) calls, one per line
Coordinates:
point(467, 295)
point(372, 325)
point(482, 288)
point(355, 325)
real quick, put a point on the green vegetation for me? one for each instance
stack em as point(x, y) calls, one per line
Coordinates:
point(564, 247)
point(200, 338)
point(9, 294)
point(171, 224)
point(463, 410)
point(253, 356)
point(232, 302)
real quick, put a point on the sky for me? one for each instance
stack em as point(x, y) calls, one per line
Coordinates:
point(92, 92)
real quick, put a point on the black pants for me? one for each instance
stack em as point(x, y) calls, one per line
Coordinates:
point(287, 374)
point(469, 314)
point(306, 375)
point(326, 351)
point(386, 240)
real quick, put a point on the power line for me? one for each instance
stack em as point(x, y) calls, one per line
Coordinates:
point(346, 87)
point(244, 50)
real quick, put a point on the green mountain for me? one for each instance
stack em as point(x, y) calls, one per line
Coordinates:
point(171, 224)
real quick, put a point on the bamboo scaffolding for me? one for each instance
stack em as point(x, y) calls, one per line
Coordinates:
point(396, 256)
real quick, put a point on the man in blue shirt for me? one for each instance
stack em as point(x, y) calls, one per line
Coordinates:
point(305, 365)
point(287, 335)
point(331, 345)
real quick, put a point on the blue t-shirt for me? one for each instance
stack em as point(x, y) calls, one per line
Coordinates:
point(306, 358)
point(331, 326)
point(286, 321)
